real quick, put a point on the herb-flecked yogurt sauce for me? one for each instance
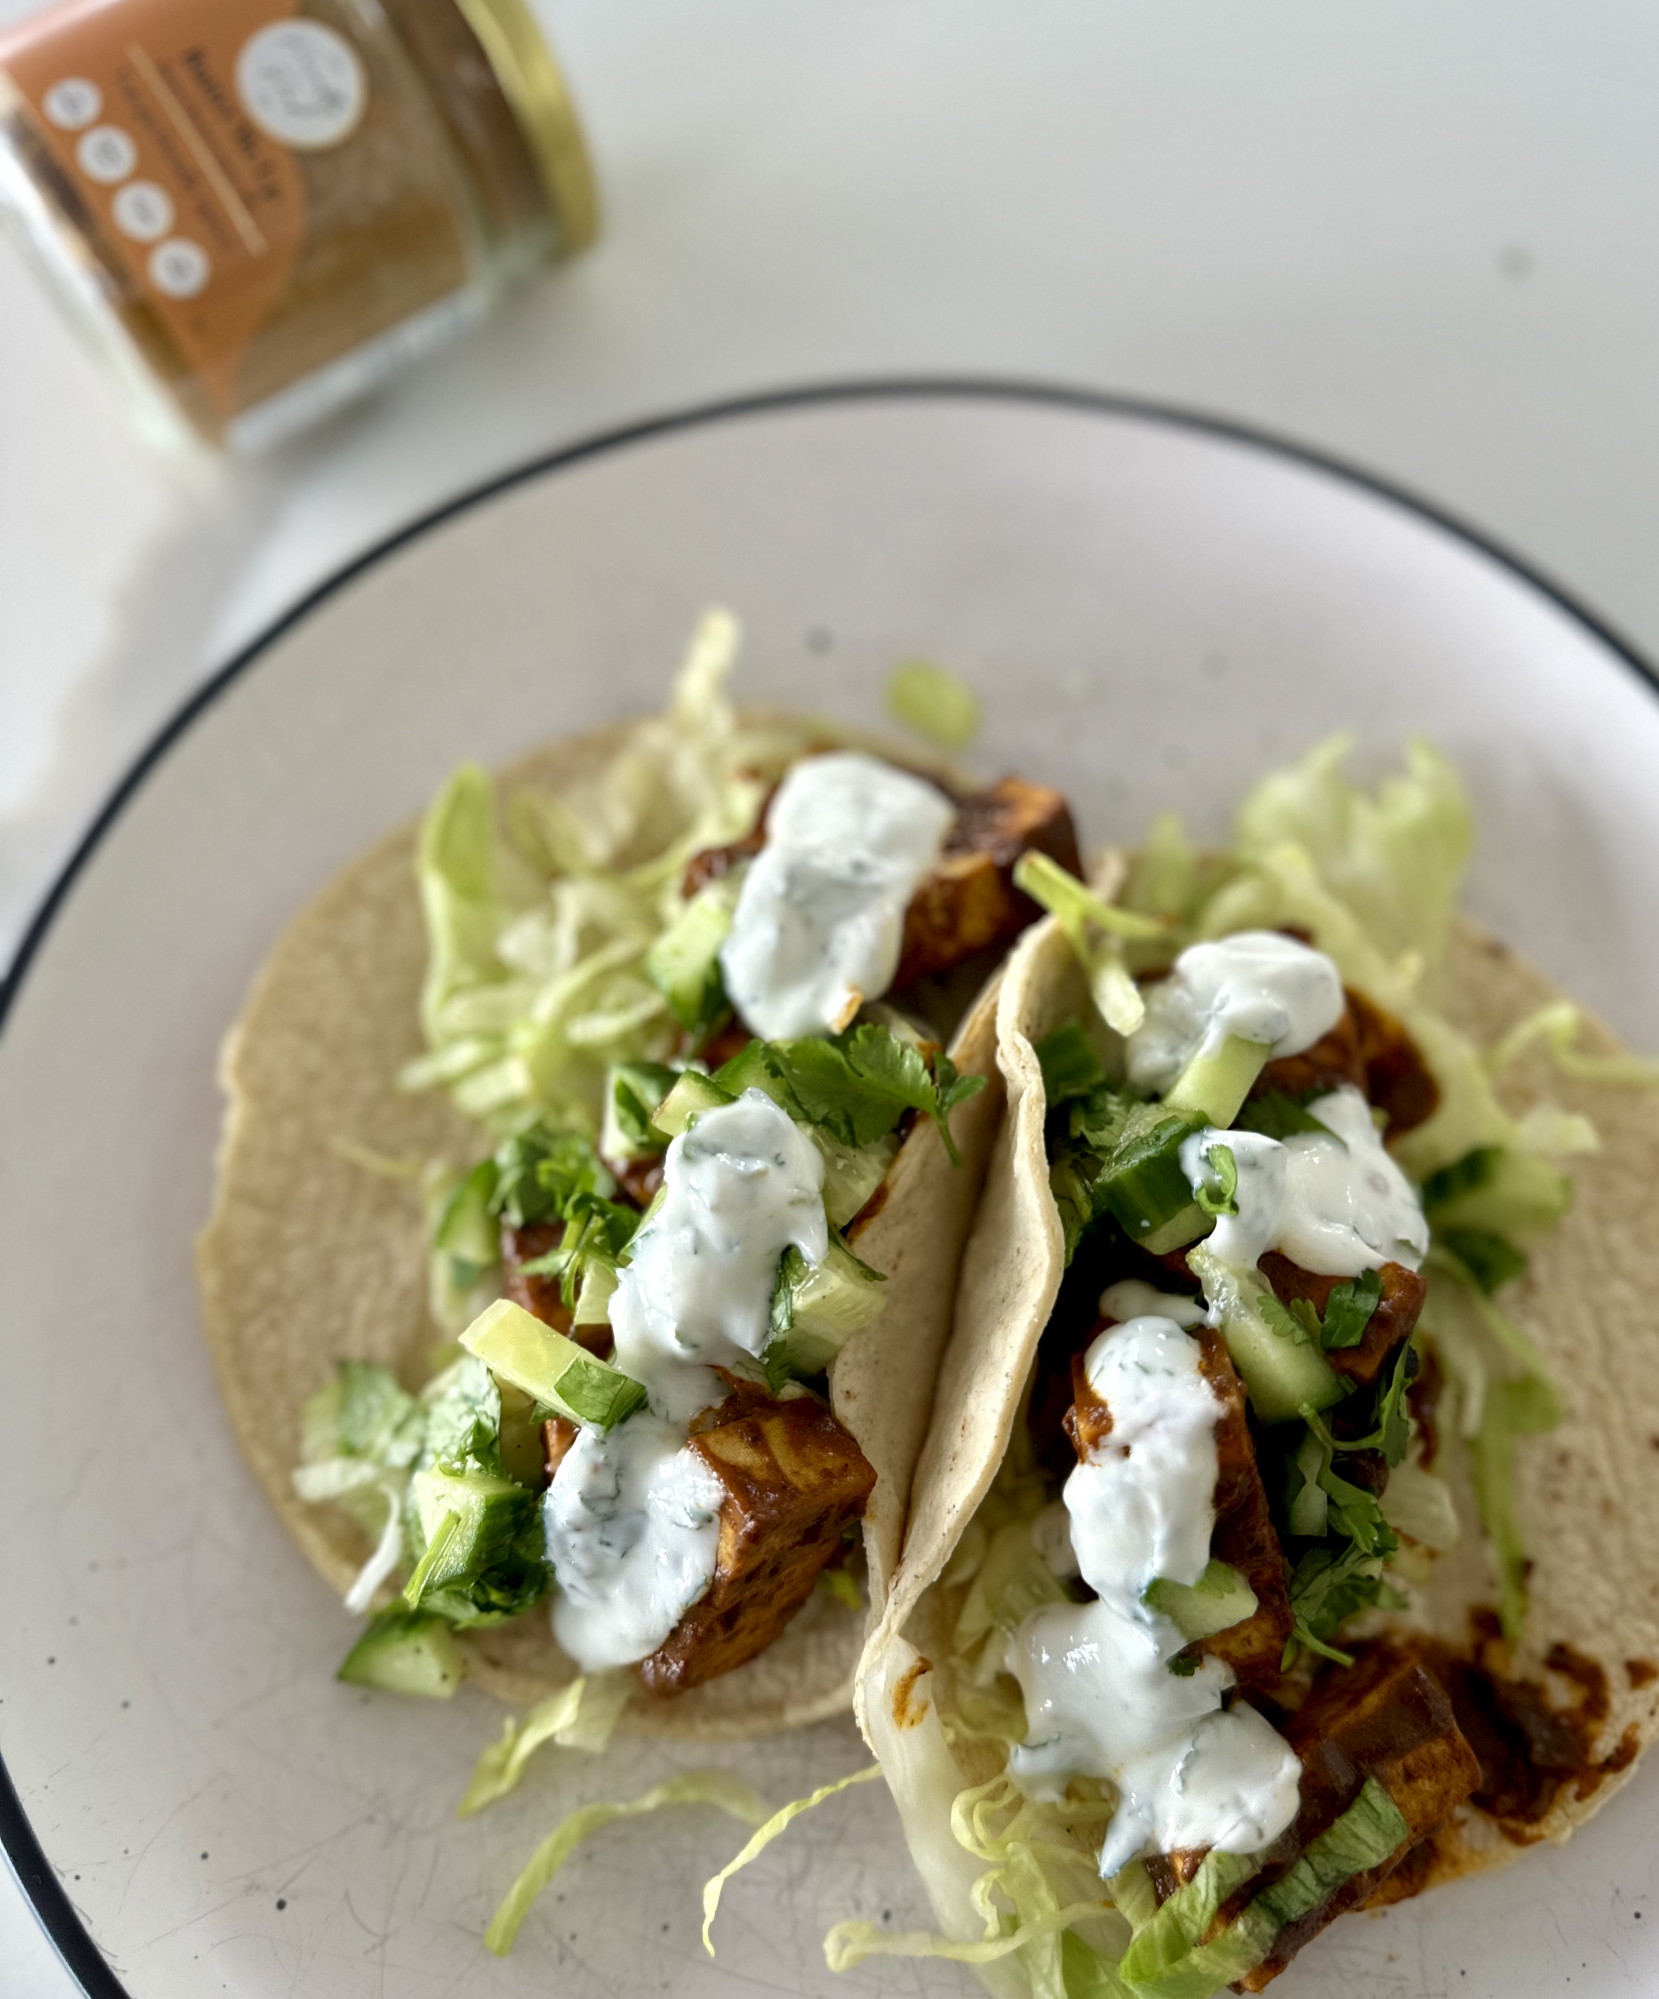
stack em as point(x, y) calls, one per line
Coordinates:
point(1100, 1700)
point(1258, 986)
point(1332, 1200)
point(819, 924)
point(632, 1515)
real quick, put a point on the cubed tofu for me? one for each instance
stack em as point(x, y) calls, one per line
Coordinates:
point(1244, 1534)
point(1389, 1327)
point(1386, 1717)
point(968, 903)
point(794, 1481)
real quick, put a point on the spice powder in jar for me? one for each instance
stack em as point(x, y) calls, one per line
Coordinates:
point(258, 208)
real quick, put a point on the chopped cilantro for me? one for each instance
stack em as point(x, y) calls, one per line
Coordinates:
point(1223, 1199)
point(1348, 1310)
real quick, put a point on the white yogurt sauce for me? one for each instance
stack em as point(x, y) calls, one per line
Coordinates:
point(1131, 1298)
point(820, 917)
point(1333, 1203)
point(632, 1516)
point(1100, 1700)
point(1257, 985)
point(740, 1186)
point(633, 1527)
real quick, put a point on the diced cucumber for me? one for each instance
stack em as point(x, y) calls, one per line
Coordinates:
point(1212, 1088)
point(1281, 1375)
point(690, 1096)
point(1498, 1191)
point(1218, 1600)
point(469, 1519)
point(751, 1069)
point(1188, 1226)
point(852, 1173)
point(684, 963)
point(515, 1345)
point(816, 1308)
point(1141, 1181)
point(406, 1652)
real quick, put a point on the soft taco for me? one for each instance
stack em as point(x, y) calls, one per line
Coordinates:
point(594, 1175)
point(1279, 1545)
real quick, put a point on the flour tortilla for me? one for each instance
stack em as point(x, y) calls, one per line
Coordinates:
point(1587, 1495)
point(310, 1258)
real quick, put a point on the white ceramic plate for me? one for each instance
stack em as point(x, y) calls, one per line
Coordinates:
point(1152, 610)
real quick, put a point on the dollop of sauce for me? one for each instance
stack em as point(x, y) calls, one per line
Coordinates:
point(632, 1517)
point(1332, 1200)
point(1100, 1700)
point(633, 1525)
point(1134, 1298)
point(740, 1186)
point(819, 924)
point(1257, 985)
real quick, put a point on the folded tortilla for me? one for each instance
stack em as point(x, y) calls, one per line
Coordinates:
point(310, 1258)
point(1587, 1492)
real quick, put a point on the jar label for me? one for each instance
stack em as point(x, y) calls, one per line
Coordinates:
point(177, 123)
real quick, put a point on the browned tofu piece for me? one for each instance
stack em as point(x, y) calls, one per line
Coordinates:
point(1370, 1049)
point(1386, 1717)
point(1244, 1534)
point(1334, 1059)
point(1397, 1079)
point(538, 1293)
point(1389, 1327)
point(968, 903)
point(794, 1480)
point(558, 1433)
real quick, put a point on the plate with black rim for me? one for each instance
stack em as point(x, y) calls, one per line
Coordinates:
point(1153, 608)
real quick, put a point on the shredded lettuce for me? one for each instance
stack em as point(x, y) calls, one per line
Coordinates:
point(1558, 1025)
point(723, 1792)
point(582, 1715)
point(542, 916)
point(1395, 858)
point(1095, 930)
point(779, 1822)
point(934, 702)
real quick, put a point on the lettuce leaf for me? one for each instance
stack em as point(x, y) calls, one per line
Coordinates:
point(582, 1715)
point(542, 911)
point(1395, 857)
point(1095, 931)
point(716, 1788)
point(778, 1823)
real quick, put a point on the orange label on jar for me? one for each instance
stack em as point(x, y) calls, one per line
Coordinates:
point(176, 122)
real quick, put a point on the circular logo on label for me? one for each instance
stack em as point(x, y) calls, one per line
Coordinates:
point(72, 103)
point(180, 268)
point(302, 84)
point(107, 154)
point(143, 211)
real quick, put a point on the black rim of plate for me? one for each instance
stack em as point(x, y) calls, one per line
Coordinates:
point(39, 1879)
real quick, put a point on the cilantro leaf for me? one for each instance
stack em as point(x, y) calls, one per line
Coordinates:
point(1348, 1310)
point(537, 1173)
point(859, 1084)
point(1224, 1199)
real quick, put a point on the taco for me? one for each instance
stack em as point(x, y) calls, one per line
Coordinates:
point(571, 1316)
point(1278, 1546)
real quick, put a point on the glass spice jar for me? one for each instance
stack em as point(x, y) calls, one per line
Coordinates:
point(257, 209)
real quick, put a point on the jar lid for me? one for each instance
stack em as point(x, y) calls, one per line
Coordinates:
point(535, 91)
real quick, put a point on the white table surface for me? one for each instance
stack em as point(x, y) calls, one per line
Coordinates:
point(1421, 237)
